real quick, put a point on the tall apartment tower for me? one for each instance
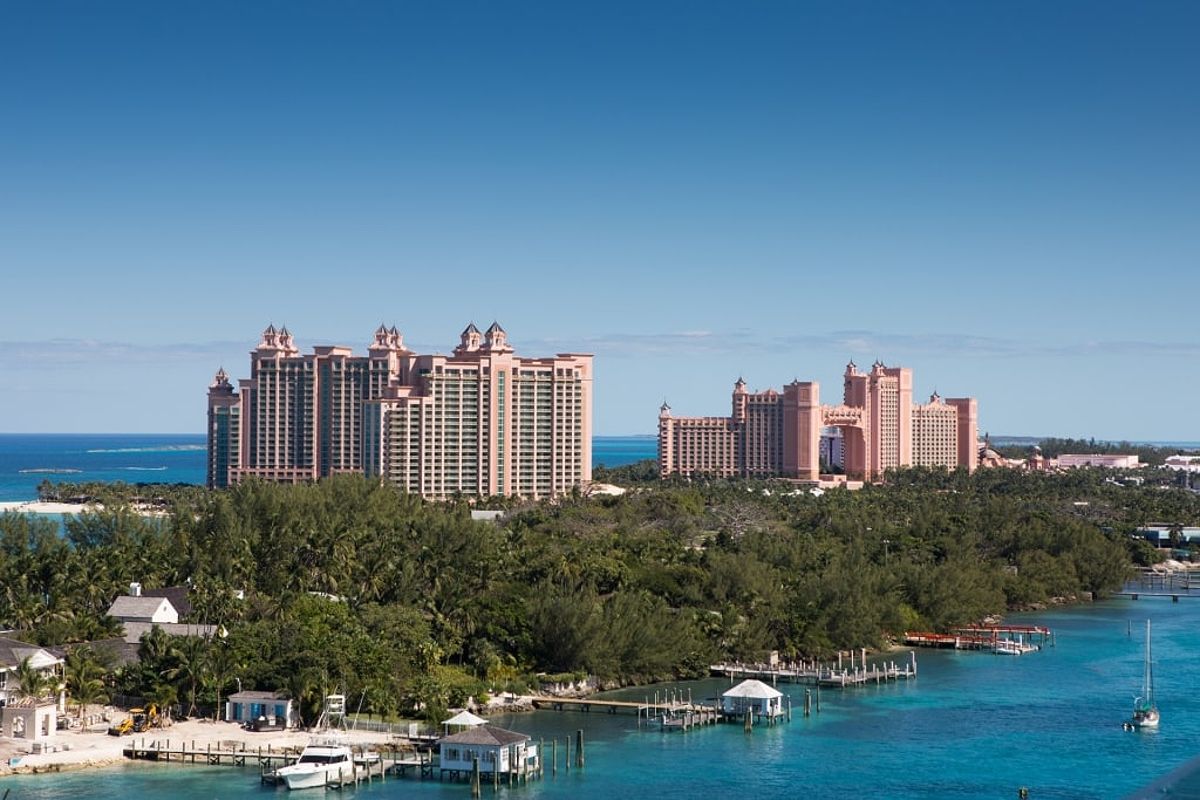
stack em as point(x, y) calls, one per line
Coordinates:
point(481, 421)
point(779, 434)
point(769, 434)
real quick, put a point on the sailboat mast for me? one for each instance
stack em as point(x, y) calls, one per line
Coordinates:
point(1148, 679)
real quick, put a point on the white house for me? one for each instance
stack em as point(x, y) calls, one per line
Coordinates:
point(12, 654)
point(754, 696)
point(249, 706)
point(136, 608)
point(497, 749)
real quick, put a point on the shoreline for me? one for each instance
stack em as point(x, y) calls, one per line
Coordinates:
point(44, 508)
point(95, 749)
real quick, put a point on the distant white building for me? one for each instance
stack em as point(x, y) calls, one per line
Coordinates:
point(1183, 463)
point(1106, 460)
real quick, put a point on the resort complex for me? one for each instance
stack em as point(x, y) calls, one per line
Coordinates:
point(481, 421)
point(779, 434)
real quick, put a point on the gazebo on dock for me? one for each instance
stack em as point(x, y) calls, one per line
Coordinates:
point(753, 696)
point(462, 721)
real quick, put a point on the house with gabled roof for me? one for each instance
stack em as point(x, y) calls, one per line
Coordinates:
point(12, 654)
point(499, 752)
point(131, 608)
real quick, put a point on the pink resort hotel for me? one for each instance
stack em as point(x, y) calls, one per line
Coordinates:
point(774, 434)
point(481, 421)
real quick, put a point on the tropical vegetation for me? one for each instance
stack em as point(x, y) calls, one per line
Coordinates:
point(403, 604)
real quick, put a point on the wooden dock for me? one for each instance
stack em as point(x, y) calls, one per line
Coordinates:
point(839, 675)
point(230, 754)
point(995, 638)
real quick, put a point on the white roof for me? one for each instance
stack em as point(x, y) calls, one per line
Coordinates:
point(465, 717)
point(137, 607)
point(753, 688)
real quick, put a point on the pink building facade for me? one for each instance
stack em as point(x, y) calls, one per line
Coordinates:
point(775, 433)
point(481, 421)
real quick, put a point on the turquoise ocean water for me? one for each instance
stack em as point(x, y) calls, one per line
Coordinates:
point(28, 459)
point(972, 725)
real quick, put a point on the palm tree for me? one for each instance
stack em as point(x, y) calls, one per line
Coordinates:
point(163, 695)
point(85, 678)
point(221, 669)
point(191, 667)
point(31, 681)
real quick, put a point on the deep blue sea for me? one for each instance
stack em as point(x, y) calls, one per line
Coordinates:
point(28, 459)
point(972, 725)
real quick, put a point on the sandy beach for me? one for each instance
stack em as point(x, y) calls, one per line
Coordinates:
point(86, 749)
point(39, 507)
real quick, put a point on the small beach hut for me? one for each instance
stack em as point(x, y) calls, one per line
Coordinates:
point(32, 718)
point(275, 709)
point(461, 721)
point(497, 749)
point(753, 696)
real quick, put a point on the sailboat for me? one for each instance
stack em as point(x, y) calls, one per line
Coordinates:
point(1145, 712)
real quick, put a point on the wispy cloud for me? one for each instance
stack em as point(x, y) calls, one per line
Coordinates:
point(855, 343)
point(859, 344)
point(57, 353)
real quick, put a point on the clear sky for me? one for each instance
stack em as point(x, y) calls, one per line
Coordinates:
point(1004, 196)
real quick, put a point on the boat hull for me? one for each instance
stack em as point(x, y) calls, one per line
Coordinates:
point(315, 778)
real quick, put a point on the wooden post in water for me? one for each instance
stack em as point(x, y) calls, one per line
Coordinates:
point(475, 789)
point(567, 755)
point(818, 697)
point(554, 757)
point(748, 724)
point(807, 702)
point(579, 748)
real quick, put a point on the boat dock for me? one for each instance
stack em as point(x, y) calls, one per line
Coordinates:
point(1008, 639)
point(840, 675)
point(228, 754)
point(1162, 584)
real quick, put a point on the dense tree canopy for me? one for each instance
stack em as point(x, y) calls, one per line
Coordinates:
point(405, 604)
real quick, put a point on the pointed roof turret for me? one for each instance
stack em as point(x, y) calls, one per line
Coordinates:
point(740, 385)
point(496, 339)
point(220, 380)
point(469, 340)
point(664, 410)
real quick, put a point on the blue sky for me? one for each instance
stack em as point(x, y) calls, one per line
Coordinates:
point(1003, 196)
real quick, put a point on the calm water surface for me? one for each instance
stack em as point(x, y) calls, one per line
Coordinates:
point(28, 459)
point(972, 725)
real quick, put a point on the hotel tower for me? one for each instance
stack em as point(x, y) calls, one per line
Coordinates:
point(777, 434)
point(481, 421)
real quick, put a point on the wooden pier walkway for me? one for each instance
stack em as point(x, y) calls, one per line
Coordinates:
point(836, 675)
point(231, 753)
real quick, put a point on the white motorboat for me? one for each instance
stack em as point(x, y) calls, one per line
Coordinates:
point(319, 763)
point(1145, 711)
point(1013, 647)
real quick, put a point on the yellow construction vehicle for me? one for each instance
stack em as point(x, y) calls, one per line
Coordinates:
point(121, 728)
point(138, 721)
